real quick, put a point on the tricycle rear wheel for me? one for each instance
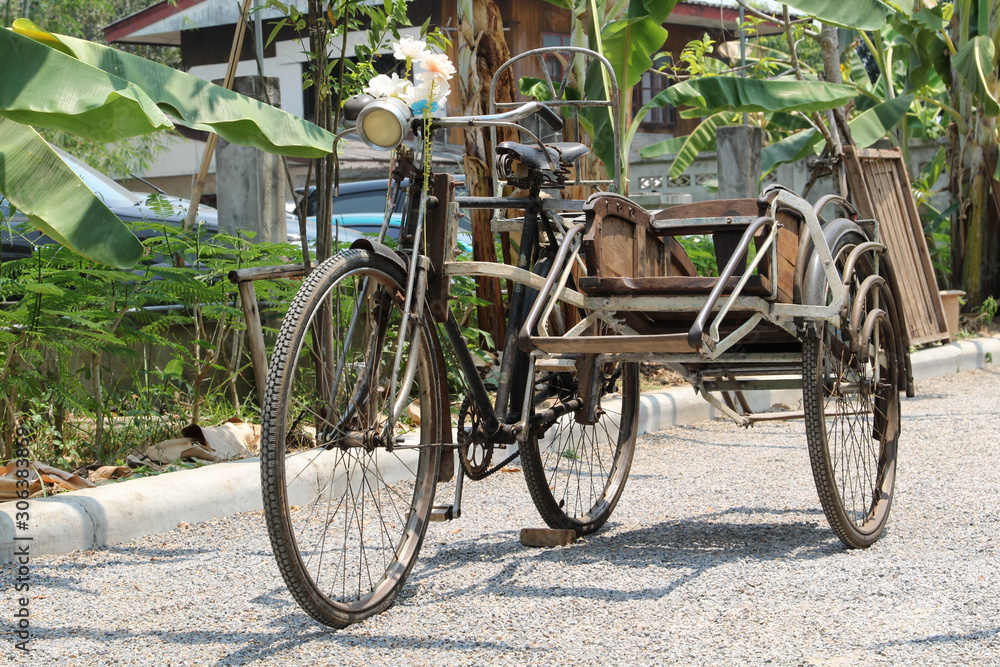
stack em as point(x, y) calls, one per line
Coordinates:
point(576, 471)
point(850, 396)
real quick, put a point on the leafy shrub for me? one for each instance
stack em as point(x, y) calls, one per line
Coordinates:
point(100, 361)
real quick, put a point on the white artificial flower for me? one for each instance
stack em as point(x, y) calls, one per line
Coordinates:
point(436, 66)
point(380, 86)
point(408, 48)
point(417, 93)
point(387, 86)
point(441, 92)
point(402, 90)
point(428, 93)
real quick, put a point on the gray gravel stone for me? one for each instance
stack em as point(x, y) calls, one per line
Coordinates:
point(718, 554)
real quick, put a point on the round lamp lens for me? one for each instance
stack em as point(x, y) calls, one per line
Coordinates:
point(382, 128)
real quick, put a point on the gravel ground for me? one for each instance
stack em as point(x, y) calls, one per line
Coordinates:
point(718, 554)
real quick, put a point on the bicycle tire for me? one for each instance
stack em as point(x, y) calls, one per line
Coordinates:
point(851, 403)
point(327, 384)
point(576, 472)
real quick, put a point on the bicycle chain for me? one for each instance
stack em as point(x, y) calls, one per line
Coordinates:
point(500, 465)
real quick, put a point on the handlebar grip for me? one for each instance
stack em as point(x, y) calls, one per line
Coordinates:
point(551, 118)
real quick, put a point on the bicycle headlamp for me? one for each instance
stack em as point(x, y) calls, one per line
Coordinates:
point(382, 124)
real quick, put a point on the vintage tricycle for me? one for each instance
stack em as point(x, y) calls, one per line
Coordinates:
point(357, 427)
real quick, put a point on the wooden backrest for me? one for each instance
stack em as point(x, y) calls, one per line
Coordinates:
point(620, 243)
point(880, 189)
point(726, 220)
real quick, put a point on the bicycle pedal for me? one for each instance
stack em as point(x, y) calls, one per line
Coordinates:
point(444, 513)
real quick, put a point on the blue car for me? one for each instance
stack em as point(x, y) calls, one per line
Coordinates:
point(359, 208)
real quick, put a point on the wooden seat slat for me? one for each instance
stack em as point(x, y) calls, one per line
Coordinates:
point(757, 285)
point(687, 226)
point(663, 343)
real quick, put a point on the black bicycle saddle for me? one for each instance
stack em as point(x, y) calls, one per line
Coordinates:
point(562, 153)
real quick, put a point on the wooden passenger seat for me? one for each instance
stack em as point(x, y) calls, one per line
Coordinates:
point(628, 251)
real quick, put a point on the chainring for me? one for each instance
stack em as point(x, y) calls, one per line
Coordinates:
point(475, 456)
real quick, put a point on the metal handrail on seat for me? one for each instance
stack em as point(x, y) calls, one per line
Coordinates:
point(696, 336)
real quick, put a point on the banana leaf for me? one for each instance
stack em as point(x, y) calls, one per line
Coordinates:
point(658, 100)
point(628, 45)
point(39, 184)
point(792, 148)
point(198, 103)
point(666, 147)
point(856, 14)
point(597, 119)
point(702, 137)
point(658, 10)
point(534, 88)
point(728, 93)
point(866, 129)
point(932, 18)
point(875, 123)
point(48, 88)
point(972, 62)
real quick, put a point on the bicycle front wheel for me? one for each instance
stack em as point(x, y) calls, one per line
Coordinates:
point(346, 505)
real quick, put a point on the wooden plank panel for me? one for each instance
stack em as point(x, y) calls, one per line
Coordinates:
point(889, 217)
point(714, 208)
point(888, 211)
point(788, 248)
point(934, 296)
point(666, 343)
point(925, 324)
point(880, 188)
point(670, 285)
point(617, 246)
point(653, 254)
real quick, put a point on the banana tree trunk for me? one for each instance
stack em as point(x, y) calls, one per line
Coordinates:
point(975, 233)
point(979, 265)
point(481, 51)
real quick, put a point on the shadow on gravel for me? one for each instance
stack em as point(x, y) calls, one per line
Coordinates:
point(65, 575)
point(289, 631)
point(677, 550)
point(307, 631)
point(701, 441)
point(940, 639)
point(248, 647)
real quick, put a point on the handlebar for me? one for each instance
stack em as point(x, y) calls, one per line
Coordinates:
point(551, 118)
point(389, 118)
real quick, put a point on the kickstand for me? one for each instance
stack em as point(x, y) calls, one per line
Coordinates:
point(453, 511)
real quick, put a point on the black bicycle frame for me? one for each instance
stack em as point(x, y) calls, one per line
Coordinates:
point(498, 418)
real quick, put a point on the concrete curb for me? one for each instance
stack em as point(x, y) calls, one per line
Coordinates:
point(955, 357)
point(116, 513)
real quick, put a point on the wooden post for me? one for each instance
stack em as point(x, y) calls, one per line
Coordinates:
point(255, 337)
point(243, 278)
point(206, 158)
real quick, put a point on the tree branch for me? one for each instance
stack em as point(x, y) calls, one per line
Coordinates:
point(797, 68)
point(768, 17)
